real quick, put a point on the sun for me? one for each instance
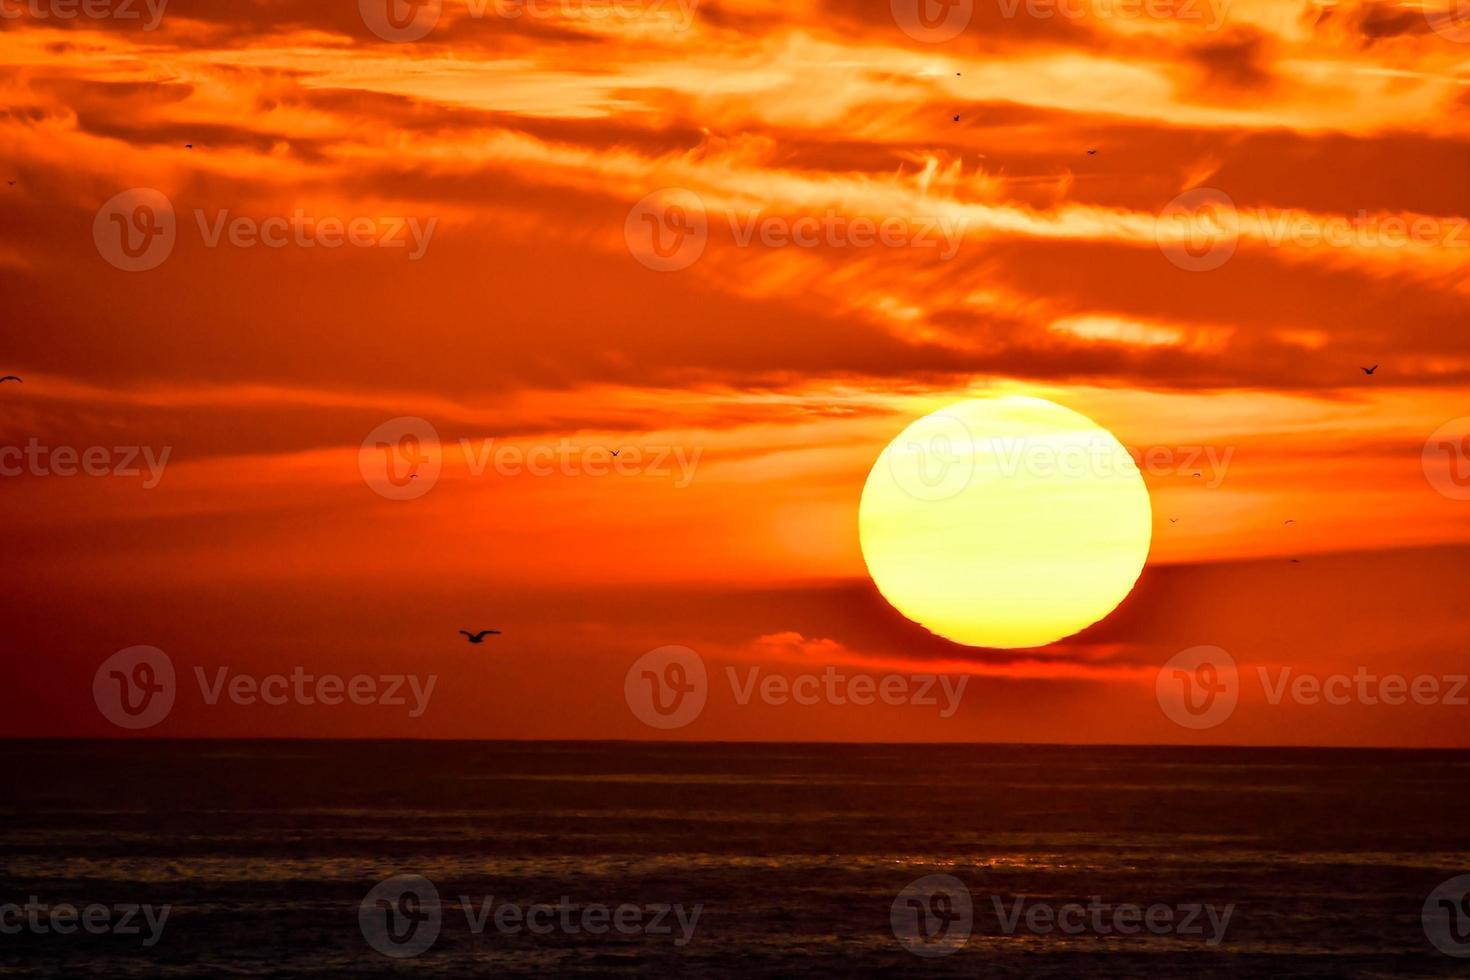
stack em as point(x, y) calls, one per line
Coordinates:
point(1005, 522)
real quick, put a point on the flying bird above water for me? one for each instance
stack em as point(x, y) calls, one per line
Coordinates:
point(1092, 153)
point(10, 377)
point(1370, 370)
point(480, 636)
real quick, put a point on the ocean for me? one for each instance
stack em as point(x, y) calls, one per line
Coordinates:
point(459, 859)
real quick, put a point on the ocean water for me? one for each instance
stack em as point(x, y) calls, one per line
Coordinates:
point(729, 860)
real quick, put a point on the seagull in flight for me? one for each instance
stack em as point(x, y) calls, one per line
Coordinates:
point(1370, 370)
point(1092, 152)
point(10, 377)
point(480, 636)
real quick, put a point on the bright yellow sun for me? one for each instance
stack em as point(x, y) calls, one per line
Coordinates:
point(1005, 522)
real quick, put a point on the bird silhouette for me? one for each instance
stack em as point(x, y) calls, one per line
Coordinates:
point(956, 118)
point(1197, 474)
point(480, 636)
point(10, 377)
point(188, 146)
point(615, 452)
point(1173, 520)
point(1092, 153)
point(1291, 522)
point(1370, 370)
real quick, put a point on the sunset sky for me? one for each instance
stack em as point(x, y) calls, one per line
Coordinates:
point(751, 387)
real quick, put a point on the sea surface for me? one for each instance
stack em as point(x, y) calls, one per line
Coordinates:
point(768, 860)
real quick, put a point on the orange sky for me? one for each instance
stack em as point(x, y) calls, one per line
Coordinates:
point(765, 374)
